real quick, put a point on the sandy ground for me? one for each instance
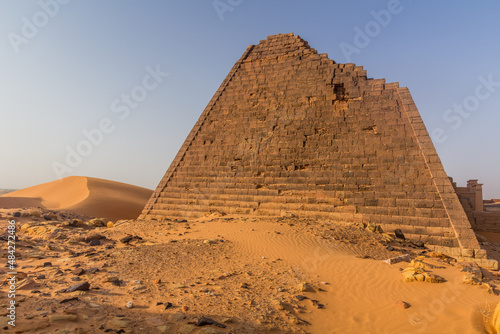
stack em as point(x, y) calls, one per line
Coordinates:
point(243, 274)
point(83, 195)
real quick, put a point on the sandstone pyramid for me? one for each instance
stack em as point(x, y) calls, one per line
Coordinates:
point(290, 130)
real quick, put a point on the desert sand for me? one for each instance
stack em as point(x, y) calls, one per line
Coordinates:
point(249, 275)
point(83, 195)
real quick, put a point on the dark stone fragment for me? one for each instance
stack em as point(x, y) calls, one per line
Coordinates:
point(203, 321)
point(419, 244)
point(78, 271)
point(317, 304)
point(68, 300)
point(168, 305)
point(93, 270)
point(94, 242)
point(390, 248)
point(17, 214)
point(399, 234)
point(127, 239)
point(85, 286)
point(47, 264)
point(117, 283)
point(300, 297)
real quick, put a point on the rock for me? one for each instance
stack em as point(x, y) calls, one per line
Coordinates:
point(186, 329)
point(300, 297)
point(399, 234)
point(110, 225)
point(397, 259)
point(49, 216)
point(317, 304)
point(129, 238)
point(78, 271)
point(47, 264)
point(138, 287)
point(306, 287)
point(91, 236)
point(118, 322)
point(98, 222)
point(65, 317)
point(203, 321)
point(185, 308)
point(178, 286)
point(164, 329)
point(111, 279)
point(26, 284)
point(168, 305)
point(278, 304)
point(473, 274)
point(94, 242)
point(402, 304)
point(16, 214)
point(412, 274)
point(129, 304)
point(374, 228)
point(419, 244)
point(77, 222)
point(63, 331)
point(210, 241)
point(419, 262)
point(390, 248)
point(69, 300)
point(85, 286)
point(120, 222)
point(210, 330)
point(177, 316)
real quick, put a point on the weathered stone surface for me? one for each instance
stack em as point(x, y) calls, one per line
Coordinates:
point(290, 130)
point(412, 274)
point(118, 323)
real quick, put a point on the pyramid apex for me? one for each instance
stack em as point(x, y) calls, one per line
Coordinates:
point(279, 45)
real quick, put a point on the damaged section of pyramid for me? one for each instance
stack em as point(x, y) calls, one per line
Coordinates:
point(291, 130)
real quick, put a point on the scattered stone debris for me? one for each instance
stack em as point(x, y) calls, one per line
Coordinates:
point(306, 287)
point(397, 259)
point(129, 239)
point(85, 286)
point(412, 274)
point(69, 300)
point(399, 234)
point(402, 304)
point(203, 321)
point(473, 274)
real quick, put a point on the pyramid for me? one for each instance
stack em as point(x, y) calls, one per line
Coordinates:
point(291, 131)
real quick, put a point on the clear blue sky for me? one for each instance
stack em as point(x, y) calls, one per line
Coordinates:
point(65, 68)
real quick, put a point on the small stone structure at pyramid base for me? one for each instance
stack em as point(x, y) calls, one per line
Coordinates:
point(290, 130)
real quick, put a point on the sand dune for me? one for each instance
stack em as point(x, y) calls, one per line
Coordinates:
point(83, 195)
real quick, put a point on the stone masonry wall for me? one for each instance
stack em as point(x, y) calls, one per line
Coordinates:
point(291, 130)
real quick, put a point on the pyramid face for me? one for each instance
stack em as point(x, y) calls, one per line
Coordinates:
point(290, 130)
